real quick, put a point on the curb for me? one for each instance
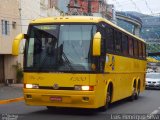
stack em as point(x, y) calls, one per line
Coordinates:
point(11, 100)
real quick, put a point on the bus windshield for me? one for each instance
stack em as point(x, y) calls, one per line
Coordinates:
point(62, 47)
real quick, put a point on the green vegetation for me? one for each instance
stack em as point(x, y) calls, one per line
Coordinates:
point(19, 72)
point(153, 47)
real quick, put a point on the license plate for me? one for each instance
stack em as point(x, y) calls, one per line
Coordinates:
point(55, 98)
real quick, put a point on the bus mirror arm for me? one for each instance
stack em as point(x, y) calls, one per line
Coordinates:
point(16, 43)
point(97, 44)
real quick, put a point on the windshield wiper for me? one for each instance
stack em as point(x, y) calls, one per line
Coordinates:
point(67, 61)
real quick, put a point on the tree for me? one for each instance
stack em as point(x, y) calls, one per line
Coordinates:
point(19, 72)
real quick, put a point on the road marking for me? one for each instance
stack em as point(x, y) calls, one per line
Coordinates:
point(153, 115)
point(154, 112)
point(11, 100)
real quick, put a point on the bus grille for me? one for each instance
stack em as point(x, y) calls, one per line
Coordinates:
point(60, 88)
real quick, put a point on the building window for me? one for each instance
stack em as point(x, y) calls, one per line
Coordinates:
point(5, 27)
point(14, 25)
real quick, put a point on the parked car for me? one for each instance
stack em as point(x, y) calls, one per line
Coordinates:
point(153, 80)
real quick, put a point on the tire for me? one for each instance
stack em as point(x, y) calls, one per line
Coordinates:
point(138, 91)
point(134, 93)
point(108, 99)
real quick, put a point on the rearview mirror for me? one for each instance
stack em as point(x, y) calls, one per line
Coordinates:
point(16, 43)
point(97, 44)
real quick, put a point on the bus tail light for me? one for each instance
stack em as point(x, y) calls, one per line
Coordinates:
point(31, 86)
point(84, 88)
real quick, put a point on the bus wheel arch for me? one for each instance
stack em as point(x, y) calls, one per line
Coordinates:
point(138, 89)
point(134, 90)
point(108, 96)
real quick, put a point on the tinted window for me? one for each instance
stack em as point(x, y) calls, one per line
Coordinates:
point(124, 44)
point(135, 48)
point(110, 40)
point(144, 50)
point(118, 37)
point(140, 49)
point(130, 46)
point(102, 29)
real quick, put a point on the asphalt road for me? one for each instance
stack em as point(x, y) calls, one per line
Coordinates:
point(148, 103)
point(11, 92)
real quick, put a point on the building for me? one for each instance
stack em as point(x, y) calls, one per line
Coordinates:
point(29, 10)
point(87, 7)
point(33, 9)
point(82, 7)
point(9, 27)
point(49, 8)
point(15, 15)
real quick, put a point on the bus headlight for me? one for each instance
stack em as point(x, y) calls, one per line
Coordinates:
point(84, 88)
point(31, 86)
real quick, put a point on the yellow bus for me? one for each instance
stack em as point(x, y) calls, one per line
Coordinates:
point(80, 62)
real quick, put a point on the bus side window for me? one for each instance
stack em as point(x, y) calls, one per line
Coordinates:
point(110, 39)
point(124, 45)
point(130, 46)
point(140, 49)
point(144, 51)
point(135, 48)
point(101, 29)
point(117, 38)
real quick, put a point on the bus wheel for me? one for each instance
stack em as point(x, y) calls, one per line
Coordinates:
point(138, 91)
point(134, 94)
point(108, 99)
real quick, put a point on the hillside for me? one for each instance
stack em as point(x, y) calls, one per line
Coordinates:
point(150, 31)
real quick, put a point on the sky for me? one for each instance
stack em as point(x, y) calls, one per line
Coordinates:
point(150, 7)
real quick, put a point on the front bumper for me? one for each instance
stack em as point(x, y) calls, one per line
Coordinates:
point(69, 98)
point(155, 86)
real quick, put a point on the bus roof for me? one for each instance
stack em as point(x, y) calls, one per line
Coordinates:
point(79, 19)
point(68, 19)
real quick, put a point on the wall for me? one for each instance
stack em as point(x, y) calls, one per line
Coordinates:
point(9, 11)
point(29, 9)
point(10, 71)
point(48, 8)
point(33, 9)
